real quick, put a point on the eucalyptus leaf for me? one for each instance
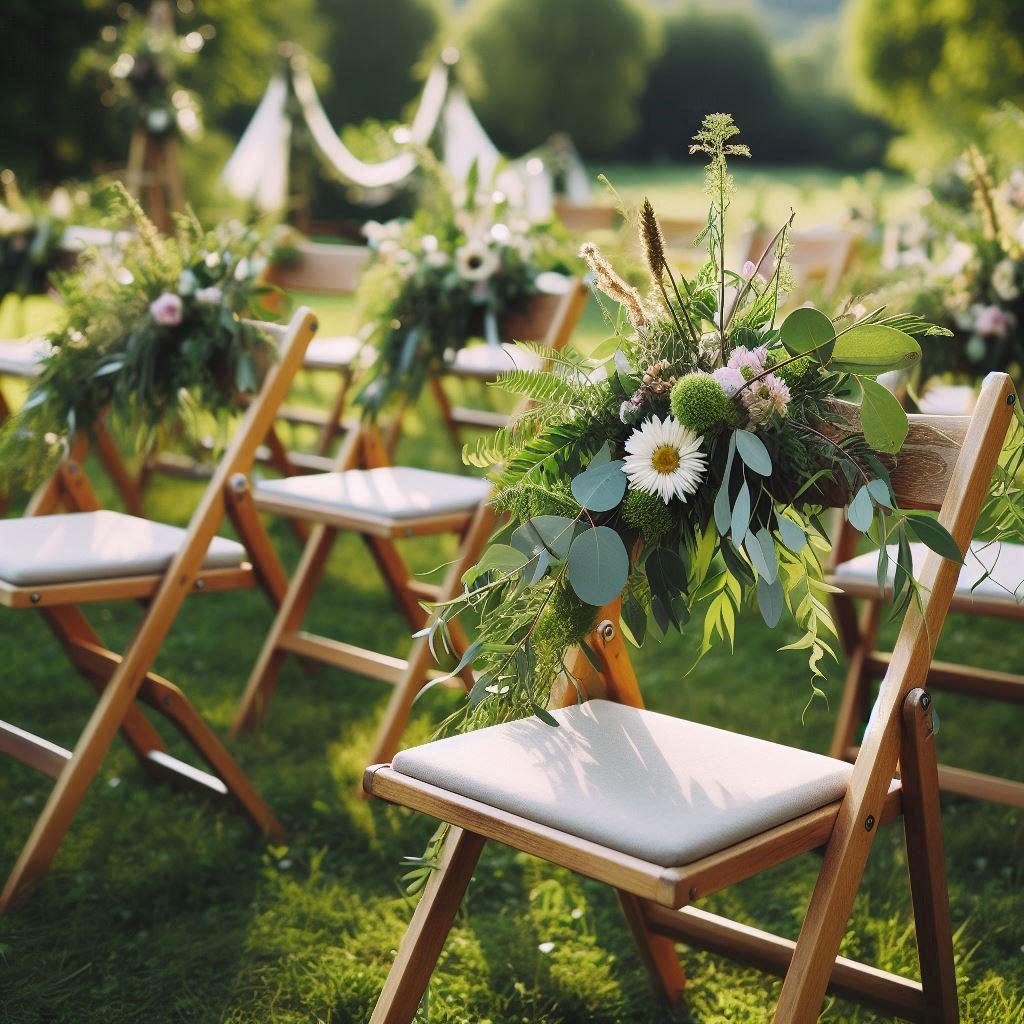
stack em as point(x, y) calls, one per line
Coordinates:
point(792, 536)
point(723, 513)
point(545, 533)
point(771, 557)
point(872, 349)
point(740, 515)
point(500, 558)
point(883, 418)
point(771, 599)
point(598, 565)
point(881, 492)
point(809, 330)
point(861, 511)
point(753, 452)
point(600, 488)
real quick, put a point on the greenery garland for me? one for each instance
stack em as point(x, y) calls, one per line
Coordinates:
point(683, 468)
point(153, 335)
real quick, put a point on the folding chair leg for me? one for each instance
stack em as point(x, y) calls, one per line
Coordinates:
point(658, 952)
point(114, 465)
point(433, 919)
point(252, 533)
point(447, 413)
point(332, 424)
point(922, 816)
point(263, 680)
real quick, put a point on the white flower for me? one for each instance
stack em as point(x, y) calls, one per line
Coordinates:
point(187, 283)
point(731, 378)
point(436, 260)
point(210, 296)
point(664, 458)
point(1004, 280)
point(476, 262)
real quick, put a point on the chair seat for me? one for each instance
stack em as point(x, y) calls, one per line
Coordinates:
point(994, 571)
point(23, 358)
point(487, 361)
point(948, 400)
point(339, 353)
point(389, 492)
point(632, 780)
point(38, 550)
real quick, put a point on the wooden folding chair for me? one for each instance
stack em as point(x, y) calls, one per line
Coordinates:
point(55, 564)
point(668, 811)
point(585, 218)
point(819, 258)
point(988, 586)
point(550, 318)
point(22, 360)
point(382, 503)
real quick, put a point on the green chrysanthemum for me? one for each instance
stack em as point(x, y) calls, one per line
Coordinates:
point(796, 371)
point(648, 514)
point(565, 621)
point(699, 402)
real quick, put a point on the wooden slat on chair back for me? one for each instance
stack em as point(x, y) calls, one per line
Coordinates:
point(544, 317)
point(321, 268)
point(586, 216)
point(816, 255)
point(922, 470)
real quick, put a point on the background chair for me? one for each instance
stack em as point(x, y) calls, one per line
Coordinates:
point(54, 564)
point(383, 503)
point(668, 811)
point(819, 257)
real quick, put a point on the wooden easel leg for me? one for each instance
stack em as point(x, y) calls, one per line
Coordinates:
point(856, 688)
point(267, 669)
point(922, 817)
point(658, 953)
point(423, 942)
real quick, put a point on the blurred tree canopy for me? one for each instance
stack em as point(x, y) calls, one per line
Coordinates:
point(934, 68)
point(373, 48)
point(535, 67)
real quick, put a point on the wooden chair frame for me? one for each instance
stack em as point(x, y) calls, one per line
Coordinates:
point(123, 679)
point(552, 318)
point(858, 635)
point(656, 899)
point(819, 257)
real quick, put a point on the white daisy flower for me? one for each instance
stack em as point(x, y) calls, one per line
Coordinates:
point(664, 458)
point(476, 262)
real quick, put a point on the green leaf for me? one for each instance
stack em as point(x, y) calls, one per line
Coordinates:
point(884, 420)
point(872, 349)
point(600, 489)
point(740, 515)
point(500, 558)
point(881, 492)
point(634, 618)
point(606, 348)
point(771, 600)
point(808, 329)
point(544, 715)
point(932, 533)
point(792, 536)
point(753, 452)
point(769, 563)
point(666, 573)
point(722, 512)
point(861, 511)
point(598, 565)
point(552, 534)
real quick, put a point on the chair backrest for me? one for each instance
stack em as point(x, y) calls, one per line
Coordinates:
point(948, 464)
point(550, 316)
point(586, 216)
point(321, 268)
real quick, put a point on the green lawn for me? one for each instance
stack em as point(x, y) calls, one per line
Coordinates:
point(162, 906)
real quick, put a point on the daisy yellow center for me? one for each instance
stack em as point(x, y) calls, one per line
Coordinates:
point(665, 459)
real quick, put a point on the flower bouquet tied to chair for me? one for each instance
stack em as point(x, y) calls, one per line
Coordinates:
point(447, 276)
point(680, 472)
point(153, 335)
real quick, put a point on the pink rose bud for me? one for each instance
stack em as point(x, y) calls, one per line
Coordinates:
point(749, 269)
point(210, 296)
point(992, 321)
point(166, 309)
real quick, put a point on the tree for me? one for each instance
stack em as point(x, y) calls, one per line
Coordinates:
point(536, 67)
point(935, 68)
point(374, 51)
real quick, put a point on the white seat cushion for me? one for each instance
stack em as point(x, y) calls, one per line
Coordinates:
point(1002, 565)
point(392, 492)
point(490, 360)
point(333, 353)
point(23, 358)
point(95, 545)
point(948, 400)
point(659, 788)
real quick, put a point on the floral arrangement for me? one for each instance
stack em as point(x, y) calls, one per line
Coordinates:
point(140, 61)
point(444, 277)
point(681, 469)
point(968, 274)
point(152, 333)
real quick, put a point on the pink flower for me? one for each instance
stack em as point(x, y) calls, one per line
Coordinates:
point(210, 296)
point(749, 269)
point(166, 309)
point(730, 378)
point(993, 321)
point(765, 398)
point(749, 361)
